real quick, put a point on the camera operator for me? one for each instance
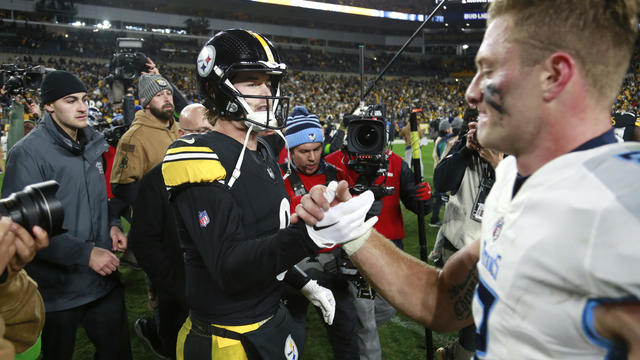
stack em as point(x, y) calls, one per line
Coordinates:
point(468, 172)
point(144, 144)
point(399, 177)
point(305, 140)
point(21, 307)
point(77, 274)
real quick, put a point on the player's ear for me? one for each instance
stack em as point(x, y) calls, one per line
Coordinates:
point(557, 71)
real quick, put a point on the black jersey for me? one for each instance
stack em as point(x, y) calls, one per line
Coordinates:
point(235, 240)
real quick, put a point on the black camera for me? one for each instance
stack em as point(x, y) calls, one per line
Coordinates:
point(124, 67)
point(367, 149)
point(367, 140)
point(113, 134)
point(36, 204)
point(22, 80)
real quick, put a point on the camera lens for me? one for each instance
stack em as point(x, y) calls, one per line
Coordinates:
point(368, 136)
point(35, 205)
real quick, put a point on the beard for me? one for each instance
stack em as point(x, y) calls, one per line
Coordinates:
point(161, 114)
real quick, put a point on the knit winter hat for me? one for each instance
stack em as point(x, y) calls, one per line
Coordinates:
point(58, 84)
point(303, 128)
point(444, 125)
point(149, 86)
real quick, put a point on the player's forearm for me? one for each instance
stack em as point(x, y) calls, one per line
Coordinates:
point(456, 285)
point(440, 300)
point(406, 282)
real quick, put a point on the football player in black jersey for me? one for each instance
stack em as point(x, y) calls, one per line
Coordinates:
point(233, 214)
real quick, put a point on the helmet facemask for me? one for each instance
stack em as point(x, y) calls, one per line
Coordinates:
point(238, 107)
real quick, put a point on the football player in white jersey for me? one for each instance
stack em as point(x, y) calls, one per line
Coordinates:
point(559, 255)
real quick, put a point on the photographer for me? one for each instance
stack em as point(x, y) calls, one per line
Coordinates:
point(398, 176)
point(77, 274)
point(468, 172)
point(305, 140)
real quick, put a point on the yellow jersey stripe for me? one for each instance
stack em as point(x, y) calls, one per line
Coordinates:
point(266, 47)
point(189, 149)
point(192, 171)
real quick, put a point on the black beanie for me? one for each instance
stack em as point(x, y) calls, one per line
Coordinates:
point(59, 83)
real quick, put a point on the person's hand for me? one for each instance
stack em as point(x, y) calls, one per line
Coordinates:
point(620, 322)
point(322, 298)
point(26, 245)
point(151, 68)
point(103, 261)
point(493, 157)
point(7, 243)
point(34, 108)
point(313, 205)
point(423, 191)
point(118, 239)
point(343, 222)
point(472, 144)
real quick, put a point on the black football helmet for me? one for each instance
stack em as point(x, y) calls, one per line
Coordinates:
point(224, 56)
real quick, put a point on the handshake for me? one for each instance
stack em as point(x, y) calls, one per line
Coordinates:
point(333, 217)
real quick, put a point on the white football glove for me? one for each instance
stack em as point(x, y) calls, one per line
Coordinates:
point(322, 298)
point(343, 222)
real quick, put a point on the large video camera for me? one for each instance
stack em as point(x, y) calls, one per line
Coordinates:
point(18, 81)
point(367, 149)
point(36, 205)
point(125, 66)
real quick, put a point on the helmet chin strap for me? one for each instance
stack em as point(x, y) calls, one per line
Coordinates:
point(236, 171)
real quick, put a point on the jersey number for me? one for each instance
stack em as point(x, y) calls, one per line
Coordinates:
point(487, 298)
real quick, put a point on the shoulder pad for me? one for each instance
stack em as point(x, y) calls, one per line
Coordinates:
point(188, 161)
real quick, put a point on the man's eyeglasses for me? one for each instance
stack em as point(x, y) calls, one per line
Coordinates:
point(202, 130)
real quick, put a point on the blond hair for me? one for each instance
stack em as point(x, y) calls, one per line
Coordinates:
point(598, 34)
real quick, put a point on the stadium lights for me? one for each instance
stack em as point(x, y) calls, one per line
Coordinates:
point(345, 9)
point(78, 23)
point(105, 24)
point(465, 46)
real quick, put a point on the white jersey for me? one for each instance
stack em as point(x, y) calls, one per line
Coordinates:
point(571, 234)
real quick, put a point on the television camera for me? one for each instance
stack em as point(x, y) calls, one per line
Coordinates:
point(18, 81)
point(125, 66)
point(367, 149)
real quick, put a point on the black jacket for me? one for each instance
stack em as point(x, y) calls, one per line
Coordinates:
point(153, 236)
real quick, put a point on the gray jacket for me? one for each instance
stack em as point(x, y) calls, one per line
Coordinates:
point(61, 270)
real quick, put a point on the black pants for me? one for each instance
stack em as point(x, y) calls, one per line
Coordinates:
point(342, 333)
point(170, 314)
point(437, 204)
point(104, 320)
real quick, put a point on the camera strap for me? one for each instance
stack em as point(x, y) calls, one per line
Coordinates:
point(329, 170)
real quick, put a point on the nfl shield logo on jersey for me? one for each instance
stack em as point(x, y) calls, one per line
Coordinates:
point(203, 218)
point(290, 349)
point(497, 229)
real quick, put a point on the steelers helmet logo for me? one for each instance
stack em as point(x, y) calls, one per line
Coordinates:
point(206, 59)
point(161, 83)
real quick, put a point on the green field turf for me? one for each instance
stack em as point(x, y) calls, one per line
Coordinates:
point(401, 338)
